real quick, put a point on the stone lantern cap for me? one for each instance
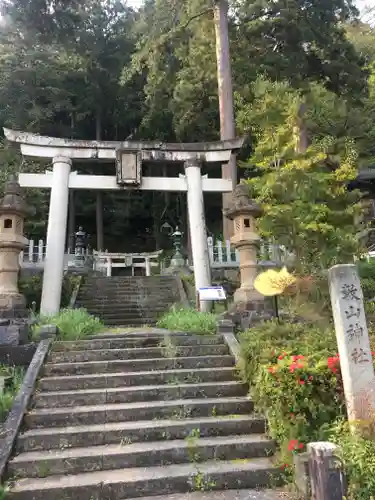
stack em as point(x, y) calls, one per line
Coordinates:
point(13, 201)
point(242, 203)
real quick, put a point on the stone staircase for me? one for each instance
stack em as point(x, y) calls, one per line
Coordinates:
point(139, 415)
point(128, 301)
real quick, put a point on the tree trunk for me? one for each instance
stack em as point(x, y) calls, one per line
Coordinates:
point(225, 90)
point(99, 194)
point(71, 221)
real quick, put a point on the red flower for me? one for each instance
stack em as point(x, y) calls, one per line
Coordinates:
point(271, 369)
point(284, 466)
point(292, 415)
point(301, 445)
point(293, 444)
point(301, 382)
point(311, 377)
point(332, 363)
point(281, 356)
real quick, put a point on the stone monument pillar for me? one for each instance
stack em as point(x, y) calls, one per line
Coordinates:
point(243, 211)
point(13, 210)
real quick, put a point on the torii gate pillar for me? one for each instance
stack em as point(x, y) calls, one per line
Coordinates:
point(197, 225)
point(56, 232)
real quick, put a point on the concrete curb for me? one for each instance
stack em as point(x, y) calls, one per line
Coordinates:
point(20, 405)
point(181, 289)
point(225, 328)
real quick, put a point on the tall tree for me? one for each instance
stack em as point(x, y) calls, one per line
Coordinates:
point(307, 205)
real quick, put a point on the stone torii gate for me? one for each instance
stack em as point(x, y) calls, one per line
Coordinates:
point(128, 157)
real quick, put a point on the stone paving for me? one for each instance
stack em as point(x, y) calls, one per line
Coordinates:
point(230, 495)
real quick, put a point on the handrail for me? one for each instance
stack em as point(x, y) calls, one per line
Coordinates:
point(13, 423)
point(75, 292)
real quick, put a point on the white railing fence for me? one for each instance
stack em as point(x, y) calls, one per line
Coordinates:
point(223, 254)
point(35, 253)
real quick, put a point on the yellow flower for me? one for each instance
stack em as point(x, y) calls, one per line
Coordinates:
point(273, 282)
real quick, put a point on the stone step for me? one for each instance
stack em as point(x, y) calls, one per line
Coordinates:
point(111, 380)
point(131, 291)
point(130, 341)
point(128, 294)
point(123, 484)
point(138, 431)
point(137, 353)
point(146, 332)
point(123, 309)
point(128, 283)
point(100, 280)
point(134, 365)
point(253, 494)
point(115, 322)
point(131, 299)
point(60, 399)
point(123, 312)
point(176, 409)
point(147, 454)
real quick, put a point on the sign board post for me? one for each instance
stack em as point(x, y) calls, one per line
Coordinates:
point(210, 294)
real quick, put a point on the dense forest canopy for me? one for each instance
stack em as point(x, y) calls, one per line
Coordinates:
point(101, 69)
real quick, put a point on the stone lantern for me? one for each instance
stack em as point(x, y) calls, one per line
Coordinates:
point(13, 210)
point(243, 211)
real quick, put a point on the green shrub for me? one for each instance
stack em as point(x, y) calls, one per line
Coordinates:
point(259, 343)
point(294, 376)
point(366, 272)
point(358, 457)
point(7, 398)
point(72, 323)
point(31, 287)
point(188, 320)
point(292, 382)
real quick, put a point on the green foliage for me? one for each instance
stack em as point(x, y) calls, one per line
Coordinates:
point(294, 375)
point(358, 456)
point(289, 40)
point(303, 190)
point(188, 320)
point(287, 368)
point(157, 68)
point(31, 287)
point(72, 323)
point(6, 399)
point(366, 272)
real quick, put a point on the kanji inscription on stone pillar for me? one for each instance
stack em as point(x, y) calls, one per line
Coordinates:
point(353, 343)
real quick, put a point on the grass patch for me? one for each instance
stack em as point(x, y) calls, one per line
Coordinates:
point(73, 324)
point(188, 320)
point(7, 397)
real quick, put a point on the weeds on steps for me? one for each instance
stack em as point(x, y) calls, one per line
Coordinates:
point(198, 481)
point(73, 324)
point(188, 320)
point(168, 348)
